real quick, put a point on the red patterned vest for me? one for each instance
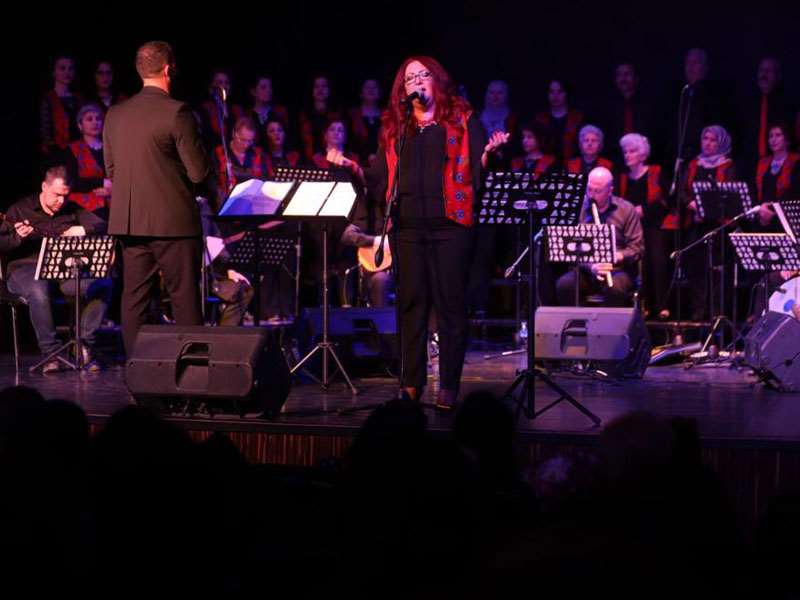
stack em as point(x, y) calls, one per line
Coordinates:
point(88, 169)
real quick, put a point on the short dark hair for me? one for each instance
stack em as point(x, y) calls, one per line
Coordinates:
point(55, 172)
point(152, 57)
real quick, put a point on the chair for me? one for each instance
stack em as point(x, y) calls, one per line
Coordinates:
point(13, 301)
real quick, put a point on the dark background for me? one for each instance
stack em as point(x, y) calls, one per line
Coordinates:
point(522, 42)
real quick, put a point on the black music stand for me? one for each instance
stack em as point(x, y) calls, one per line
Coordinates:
point(766, 252)
point(718, 203)
point(788, 213)
point(499, 191)
point(553, 200)
point(250, 205)
point(581, 244)
point(255, 250)
point(326, 202)
point(76, 258)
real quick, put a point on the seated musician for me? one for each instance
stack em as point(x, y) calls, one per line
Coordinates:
point(622, 215)
point(364, 233)
point(27, 222)
point(232, 288)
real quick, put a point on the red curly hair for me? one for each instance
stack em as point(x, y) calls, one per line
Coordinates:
point(450, 107)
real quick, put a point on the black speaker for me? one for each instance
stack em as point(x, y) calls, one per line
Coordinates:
point(772, 348)
point(364, 337)
point(224, 369)
point(613, 340)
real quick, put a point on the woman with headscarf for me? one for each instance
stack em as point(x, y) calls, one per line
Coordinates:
point(712, 164)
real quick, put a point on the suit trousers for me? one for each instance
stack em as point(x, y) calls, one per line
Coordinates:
point(178, 259)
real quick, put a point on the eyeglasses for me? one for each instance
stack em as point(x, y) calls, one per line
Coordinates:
point(422, 75)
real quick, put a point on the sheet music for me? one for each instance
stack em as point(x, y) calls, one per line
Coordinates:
point(340, 202)
point(214, 245)
point(256, 197)
point(309, 198)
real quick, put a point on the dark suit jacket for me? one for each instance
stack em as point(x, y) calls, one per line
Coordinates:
point(153, 155)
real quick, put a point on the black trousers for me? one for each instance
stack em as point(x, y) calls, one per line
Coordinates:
point(433, 267)
point(179, 261)
point(657, 268)
point(619, 295)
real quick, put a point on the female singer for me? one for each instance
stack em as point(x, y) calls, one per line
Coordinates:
point(440, 172)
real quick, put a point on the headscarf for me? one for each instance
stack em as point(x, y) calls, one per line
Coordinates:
point(712, 161)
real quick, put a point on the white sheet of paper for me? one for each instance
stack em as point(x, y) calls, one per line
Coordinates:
point(340, 201)
point(214, 245)
point(308, 198)
point(256, 197)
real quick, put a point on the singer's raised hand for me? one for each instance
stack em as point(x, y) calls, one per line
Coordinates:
point(497, 139)
point(336, 157)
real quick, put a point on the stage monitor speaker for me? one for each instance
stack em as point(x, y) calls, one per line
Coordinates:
point(772, 348)
point(364, 337)
point(223, 369)
point(613, 340)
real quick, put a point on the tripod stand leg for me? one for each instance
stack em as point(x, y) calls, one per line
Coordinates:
point(565, 395)
point(305, 359)
point(354, 391)
point(56, 355)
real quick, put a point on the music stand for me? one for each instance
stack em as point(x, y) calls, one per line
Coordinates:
point(553, 200)
point(718, 203)
point(788, 213)
point(497, 208)
point(327, 202)
point(76, 258)
point(581, 244)
point(766, 252)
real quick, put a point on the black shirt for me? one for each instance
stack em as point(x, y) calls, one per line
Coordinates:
point(421, 187)
point(26, 250)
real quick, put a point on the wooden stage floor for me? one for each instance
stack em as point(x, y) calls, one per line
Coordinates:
point(728, 407)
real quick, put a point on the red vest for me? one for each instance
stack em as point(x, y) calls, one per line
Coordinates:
point(723, 173)
point(61, 133)
point(457, 176)
point(654, 192)
point(784, 176)
point(87, 169)
point(256, 169)
point(540, 168)
point(575, 165)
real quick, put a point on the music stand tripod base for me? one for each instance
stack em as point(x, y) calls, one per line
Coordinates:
point(63, 258)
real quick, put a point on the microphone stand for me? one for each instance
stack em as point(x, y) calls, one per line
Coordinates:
point(222, 113)
point(683, 123)
point(708, 239)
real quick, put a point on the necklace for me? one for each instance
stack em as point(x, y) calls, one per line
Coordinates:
point(423, 125)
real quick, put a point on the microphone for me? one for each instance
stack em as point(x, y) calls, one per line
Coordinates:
point(752, 211)
point(411, 97)
point(223, 93)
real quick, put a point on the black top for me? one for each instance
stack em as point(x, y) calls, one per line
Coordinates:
point(26, 250)
point(557, 128)
point(636, 193)
point(421, 201)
